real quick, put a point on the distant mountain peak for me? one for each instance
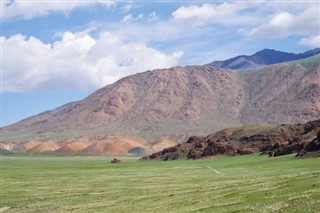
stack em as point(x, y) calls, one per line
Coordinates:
point(269, 50)
point(262, 57)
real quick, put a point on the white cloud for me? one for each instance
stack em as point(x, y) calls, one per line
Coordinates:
point(224, 13)
point(312, 41)
point(283, 24)
point(254, 19)
point(127, 19)
point(201, 13)
point(153, 17)
point(130, 18)
point(126, 8)
point(31, 9)
point(76, 61)
point(282, 19)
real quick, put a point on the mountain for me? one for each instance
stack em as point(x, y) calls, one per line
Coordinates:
point(263, 57)
point(184, 101)
point(271, 140)
point(165, 102)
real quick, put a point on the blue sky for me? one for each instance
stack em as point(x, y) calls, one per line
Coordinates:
point(55, 52)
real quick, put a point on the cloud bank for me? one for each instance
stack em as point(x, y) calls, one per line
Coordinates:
point(284, 24)
point(30, 9)
point(76, 61)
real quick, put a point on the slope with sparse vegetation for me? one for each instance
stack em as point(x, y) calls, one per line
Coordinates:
point(184, 101)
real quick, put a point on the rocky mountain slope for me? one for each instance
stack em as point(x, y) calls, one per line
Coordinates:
point(184, 101)
point(263, 57)
point(148, 104)
point(271, 140)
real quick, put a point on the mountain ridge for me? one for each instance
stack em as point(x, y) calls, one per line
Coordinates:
point(262, 57)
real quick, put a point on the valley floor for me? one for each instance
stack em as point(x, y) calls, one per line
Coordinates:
point(249, 183)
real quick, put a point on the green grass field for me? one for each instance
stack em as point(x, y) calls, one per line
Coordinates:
point(92, 184)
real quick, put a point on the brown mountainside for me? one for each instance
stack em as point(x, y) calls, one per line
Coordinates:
point(288, 93)
point(184, 101)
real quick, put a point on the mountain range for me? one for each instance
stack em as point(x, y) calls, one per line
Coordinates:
point(183, 101)
point(263, 57)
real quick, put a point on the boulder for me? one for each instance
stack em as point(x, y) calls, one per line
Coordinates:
point(115, 160)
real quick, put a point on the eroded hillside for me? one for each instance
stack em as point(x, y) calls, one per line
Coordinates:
point(184, 101)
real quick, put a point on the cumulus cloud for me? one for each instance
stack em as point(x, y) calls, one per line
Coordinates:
point(31, 9)
point(312, 41)
point(283, 24)
point(255, 19)
point(224, 13)
point(76, 61)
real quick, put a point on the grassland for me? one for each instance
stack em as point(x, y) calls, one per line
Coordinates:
point(91, 184)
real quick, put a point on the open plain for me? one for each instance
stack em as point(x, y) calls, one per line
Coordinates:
point(249, 183)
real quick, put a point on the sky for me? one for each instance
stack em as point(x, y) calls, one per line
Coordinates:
point(54, 52)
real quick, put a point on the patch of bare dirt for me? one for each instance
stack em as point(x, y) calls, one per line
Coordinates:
point(47, 146)
point(72, 147)
point(104, 148)
point(26, 146)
